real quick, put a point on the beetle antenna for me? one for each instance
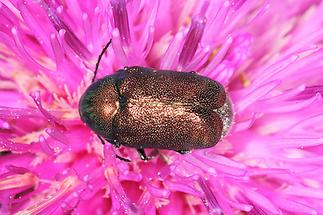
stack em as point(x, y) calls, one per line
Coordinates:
point(99, 59)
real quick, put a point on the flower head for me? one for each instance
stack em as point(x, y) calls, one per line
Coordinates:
point(266, 53)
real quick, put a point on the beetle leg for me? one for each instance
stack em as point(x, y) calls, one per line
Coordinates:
point(4, 153)
point(114, 142)
point(142, 154)
point(102, 141)
point(117, 145)
point(123, 159)
point(183, 151)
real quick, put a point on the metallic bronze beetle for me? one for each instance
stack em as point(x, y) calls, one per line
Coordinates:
point(145, 108)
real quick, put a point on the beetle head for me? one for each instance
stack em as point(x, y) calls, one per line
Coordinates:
point(98, 106)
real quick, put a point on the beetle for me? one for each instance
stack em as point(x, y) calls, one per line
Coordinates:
point(142, 108)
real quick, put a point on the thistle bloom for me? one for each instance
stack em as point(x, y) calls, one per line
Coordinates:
point(267, 54)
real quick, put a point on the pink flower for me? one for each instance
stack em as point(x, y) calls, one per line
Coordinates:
point(268, 54)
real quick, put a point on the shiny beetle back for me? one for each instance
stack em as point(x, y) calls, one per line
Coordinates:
point(145, 108)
